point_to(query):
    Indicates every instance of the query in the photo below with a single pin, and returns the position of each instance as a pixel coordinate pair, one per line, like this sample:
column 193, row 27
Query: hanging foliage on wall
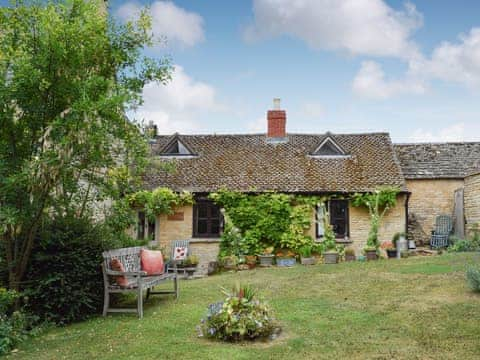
column 257, row 221
column 378, row 203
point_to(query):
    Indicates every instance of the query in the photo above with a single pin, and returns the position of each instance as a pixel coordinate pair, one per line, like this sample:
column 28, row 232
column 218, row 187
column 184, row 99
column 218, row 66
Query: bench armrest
column 126, row 273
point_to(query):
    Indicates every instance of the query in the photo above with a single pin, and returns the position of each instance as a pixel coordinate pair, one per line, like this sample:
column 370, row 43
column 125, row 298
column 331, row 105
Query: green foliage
column 68, row 76
column 65, row 277
column 378, row 203
column 159, row 201
column 473, row 278
column 13, row 324
column 240, row 317
column 471, row 243
column 329, row 240
column 265, row 220
column 397, row 237
column 305, row 251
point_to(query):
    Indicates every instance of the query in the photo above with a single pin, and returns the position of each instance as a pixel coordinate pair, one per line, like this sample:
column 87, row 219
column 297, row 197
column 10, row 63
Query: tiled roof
column 441, row 160
column 250, row 163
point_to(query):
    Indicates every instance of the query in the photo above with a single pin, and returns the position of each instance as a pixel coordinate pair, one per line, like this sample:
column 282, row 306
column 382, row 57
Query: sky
column 345, row 66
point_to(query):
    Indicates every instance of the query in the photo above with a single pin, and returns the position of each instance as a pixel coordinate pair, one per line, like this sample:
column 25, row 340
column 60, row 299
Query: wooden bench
column 138, row 281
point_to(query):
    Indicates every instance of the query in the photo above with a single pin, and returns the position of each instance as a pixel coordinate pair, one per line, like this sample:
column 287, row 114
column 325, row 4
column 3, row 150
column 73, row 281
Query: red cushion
column 116, row 265
column 152, row 262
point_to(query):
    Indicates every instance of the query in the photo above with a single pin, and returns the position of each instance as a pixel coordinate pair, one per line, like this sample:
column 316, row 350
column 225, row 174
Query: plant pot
column 371, row 254
column 350, row 257
column 230, row 263
column 330, row 258
column 391, row 253
column 308, row 260
column 212, row 267
column 251, row 261
column 243, row 267
column 266, row 260
column 286, row 261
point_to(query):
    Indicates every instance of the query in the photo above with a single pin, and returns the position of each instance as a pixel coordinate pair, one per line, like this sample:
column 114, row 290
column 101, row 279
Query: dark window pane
column 151, row 230
column 141, row 226
column 202, row 210
column 202, row 226
column 214, row 211
column 215, row 227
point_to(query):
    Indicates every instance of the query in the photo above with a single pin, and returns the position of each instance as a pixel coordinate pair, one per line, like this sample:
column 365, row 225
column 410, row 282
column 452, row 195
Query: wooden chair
column 137, row 280
column 442, row 231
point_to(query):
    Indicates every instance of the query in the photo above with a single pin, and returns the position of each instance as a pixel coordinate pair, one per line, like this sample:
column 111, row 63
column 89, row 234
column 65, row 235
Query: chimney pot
column 276, row 104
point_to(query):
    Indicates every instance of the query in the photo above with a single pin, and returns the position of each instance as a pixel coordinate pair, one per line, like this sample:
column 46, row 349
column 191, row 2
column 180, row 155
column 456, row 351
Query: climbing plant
column 258, row 221
column 378, row 203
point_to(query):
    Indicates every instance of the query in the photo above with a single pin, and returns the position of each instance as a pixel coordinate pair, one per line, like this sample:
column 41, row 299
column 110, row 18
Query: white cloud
column 458, row 62
column 179, row 26
column 451, row 62
column 360, row 27
column 455, row 132
column 174, row 107
column 370, row 82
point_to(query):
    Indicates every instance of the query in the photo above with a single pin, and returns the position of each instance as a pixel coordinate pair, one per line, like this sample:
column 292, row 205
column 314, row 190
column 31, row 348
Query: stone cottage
column 441, row 180
column 433, row 179
column 292, row 163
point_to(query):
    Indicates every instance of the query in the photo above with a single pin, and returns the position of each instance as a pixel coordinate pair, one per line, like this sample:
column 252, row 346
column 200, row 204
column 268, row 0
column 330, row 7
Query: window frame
column 208, row 218
column 346, row 219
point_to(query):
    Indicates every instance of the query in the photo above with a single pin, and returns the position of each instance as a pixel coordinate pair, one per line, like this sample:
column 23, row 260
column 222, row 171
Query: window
column 145, row 227
column 339, row 219
column 329, row 148
column 176, row 148
column 207, row 219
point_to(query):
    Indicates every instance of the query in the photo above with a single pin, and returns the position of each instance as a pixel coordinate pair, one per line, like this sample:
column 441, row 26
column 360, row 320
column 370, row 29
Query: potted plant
column 286, row 258
column 251, row 261
column 306, row 257
column 242, row 263
column 330, row 256
column 350, row 254
column 370, row 252
column 390, row 249
column 229, row 262
column 192, row 261
column 266, row 258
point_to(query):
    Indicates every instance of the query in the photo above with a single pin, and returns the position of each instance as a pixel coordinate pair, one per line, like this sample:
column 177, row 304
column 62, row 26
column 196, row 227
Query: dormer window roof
column 176, row 147
column 329, row 148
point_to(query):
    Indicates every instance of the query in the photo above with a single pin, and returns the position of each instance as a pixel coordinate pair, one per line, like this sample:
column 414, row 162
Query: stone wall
column 472, row 200
column 430, row 198
column 179, row 226
column 393, row 222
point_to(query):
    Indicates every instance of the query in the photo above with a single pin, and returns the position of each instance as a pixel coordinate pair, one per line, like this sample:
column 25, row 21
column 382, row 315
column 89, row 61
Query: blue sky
column 409, row 68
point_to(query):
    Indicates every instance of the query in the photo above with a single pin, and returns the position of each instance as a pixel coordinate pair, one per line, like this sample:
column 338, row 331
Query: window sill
column 338, row 241
column 205, row 240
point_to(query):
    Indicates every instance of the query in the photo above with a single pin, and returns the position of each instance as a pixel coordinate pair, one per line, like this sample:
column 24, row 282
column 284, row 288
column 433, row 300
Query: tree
column 378, row 203
column 69, row 74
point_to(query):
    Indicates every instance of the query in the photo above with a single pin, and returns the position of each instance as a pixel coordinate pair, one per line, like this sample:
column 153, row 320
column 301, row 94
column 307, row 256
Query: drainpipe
column 406, row 213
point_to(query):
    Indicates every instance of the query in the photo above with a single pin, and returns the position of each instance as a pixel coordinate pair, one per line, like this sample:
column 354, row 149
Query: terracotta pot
column 371, row 254
column 330, row 258
column 251, row 261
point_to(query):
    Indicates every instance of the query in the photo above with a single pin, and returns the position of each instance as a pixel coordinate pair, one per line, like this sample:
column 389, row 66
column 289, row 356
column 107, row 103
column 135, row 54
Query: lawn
column 416, row 308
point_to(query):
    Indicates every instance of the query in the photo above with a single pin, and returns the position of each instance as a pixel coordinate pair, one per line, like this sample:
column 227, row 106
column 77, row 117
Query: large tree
column 69, row 74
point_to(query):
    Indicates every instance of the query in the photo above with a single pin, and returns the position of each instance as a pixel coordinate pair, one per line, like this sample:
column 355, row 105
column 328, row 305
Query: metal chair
column 442, row 231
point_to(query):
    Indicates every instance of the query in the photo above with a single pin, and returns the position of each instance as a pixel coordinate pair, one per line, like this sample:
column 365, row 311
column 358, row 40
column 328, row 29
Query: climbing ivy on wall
column 257, row 221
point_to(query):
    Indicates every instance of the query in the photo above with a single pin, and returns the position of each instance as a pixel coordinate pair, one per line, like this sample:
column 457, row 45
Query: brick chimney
column 277, row 121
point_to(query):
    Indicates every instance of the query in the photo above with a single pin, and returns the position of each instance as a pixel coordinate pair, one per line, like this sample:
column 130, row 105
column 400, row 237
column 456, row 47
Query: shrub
column 13, row 325
column 65, row 278
column 473, row 278
column 240, row 317
column 462, row 245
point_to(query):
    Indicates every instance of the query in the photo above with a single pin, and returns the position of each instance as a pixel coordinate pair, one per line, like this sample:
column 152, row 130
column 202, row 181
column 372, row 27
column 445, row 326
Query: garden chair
column 441, row 233
column 133, row 279
column 179, row 252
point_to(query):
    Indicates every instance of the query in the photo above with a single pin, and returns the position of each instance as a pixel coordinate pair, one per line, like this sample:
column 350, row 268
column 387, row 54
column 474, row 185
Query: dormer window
column 176, row 148
column 329, row 148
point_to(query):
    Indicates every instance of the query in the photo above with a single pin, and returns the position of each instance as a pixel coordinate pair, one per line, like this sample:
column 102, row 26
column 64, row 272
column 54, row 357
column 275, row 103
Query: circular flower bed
column 240, row 317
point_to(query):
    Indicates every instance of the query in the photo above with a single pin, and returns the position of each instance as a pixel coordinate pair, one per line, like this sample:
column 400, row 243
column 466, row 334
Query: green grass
column 416, row 308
